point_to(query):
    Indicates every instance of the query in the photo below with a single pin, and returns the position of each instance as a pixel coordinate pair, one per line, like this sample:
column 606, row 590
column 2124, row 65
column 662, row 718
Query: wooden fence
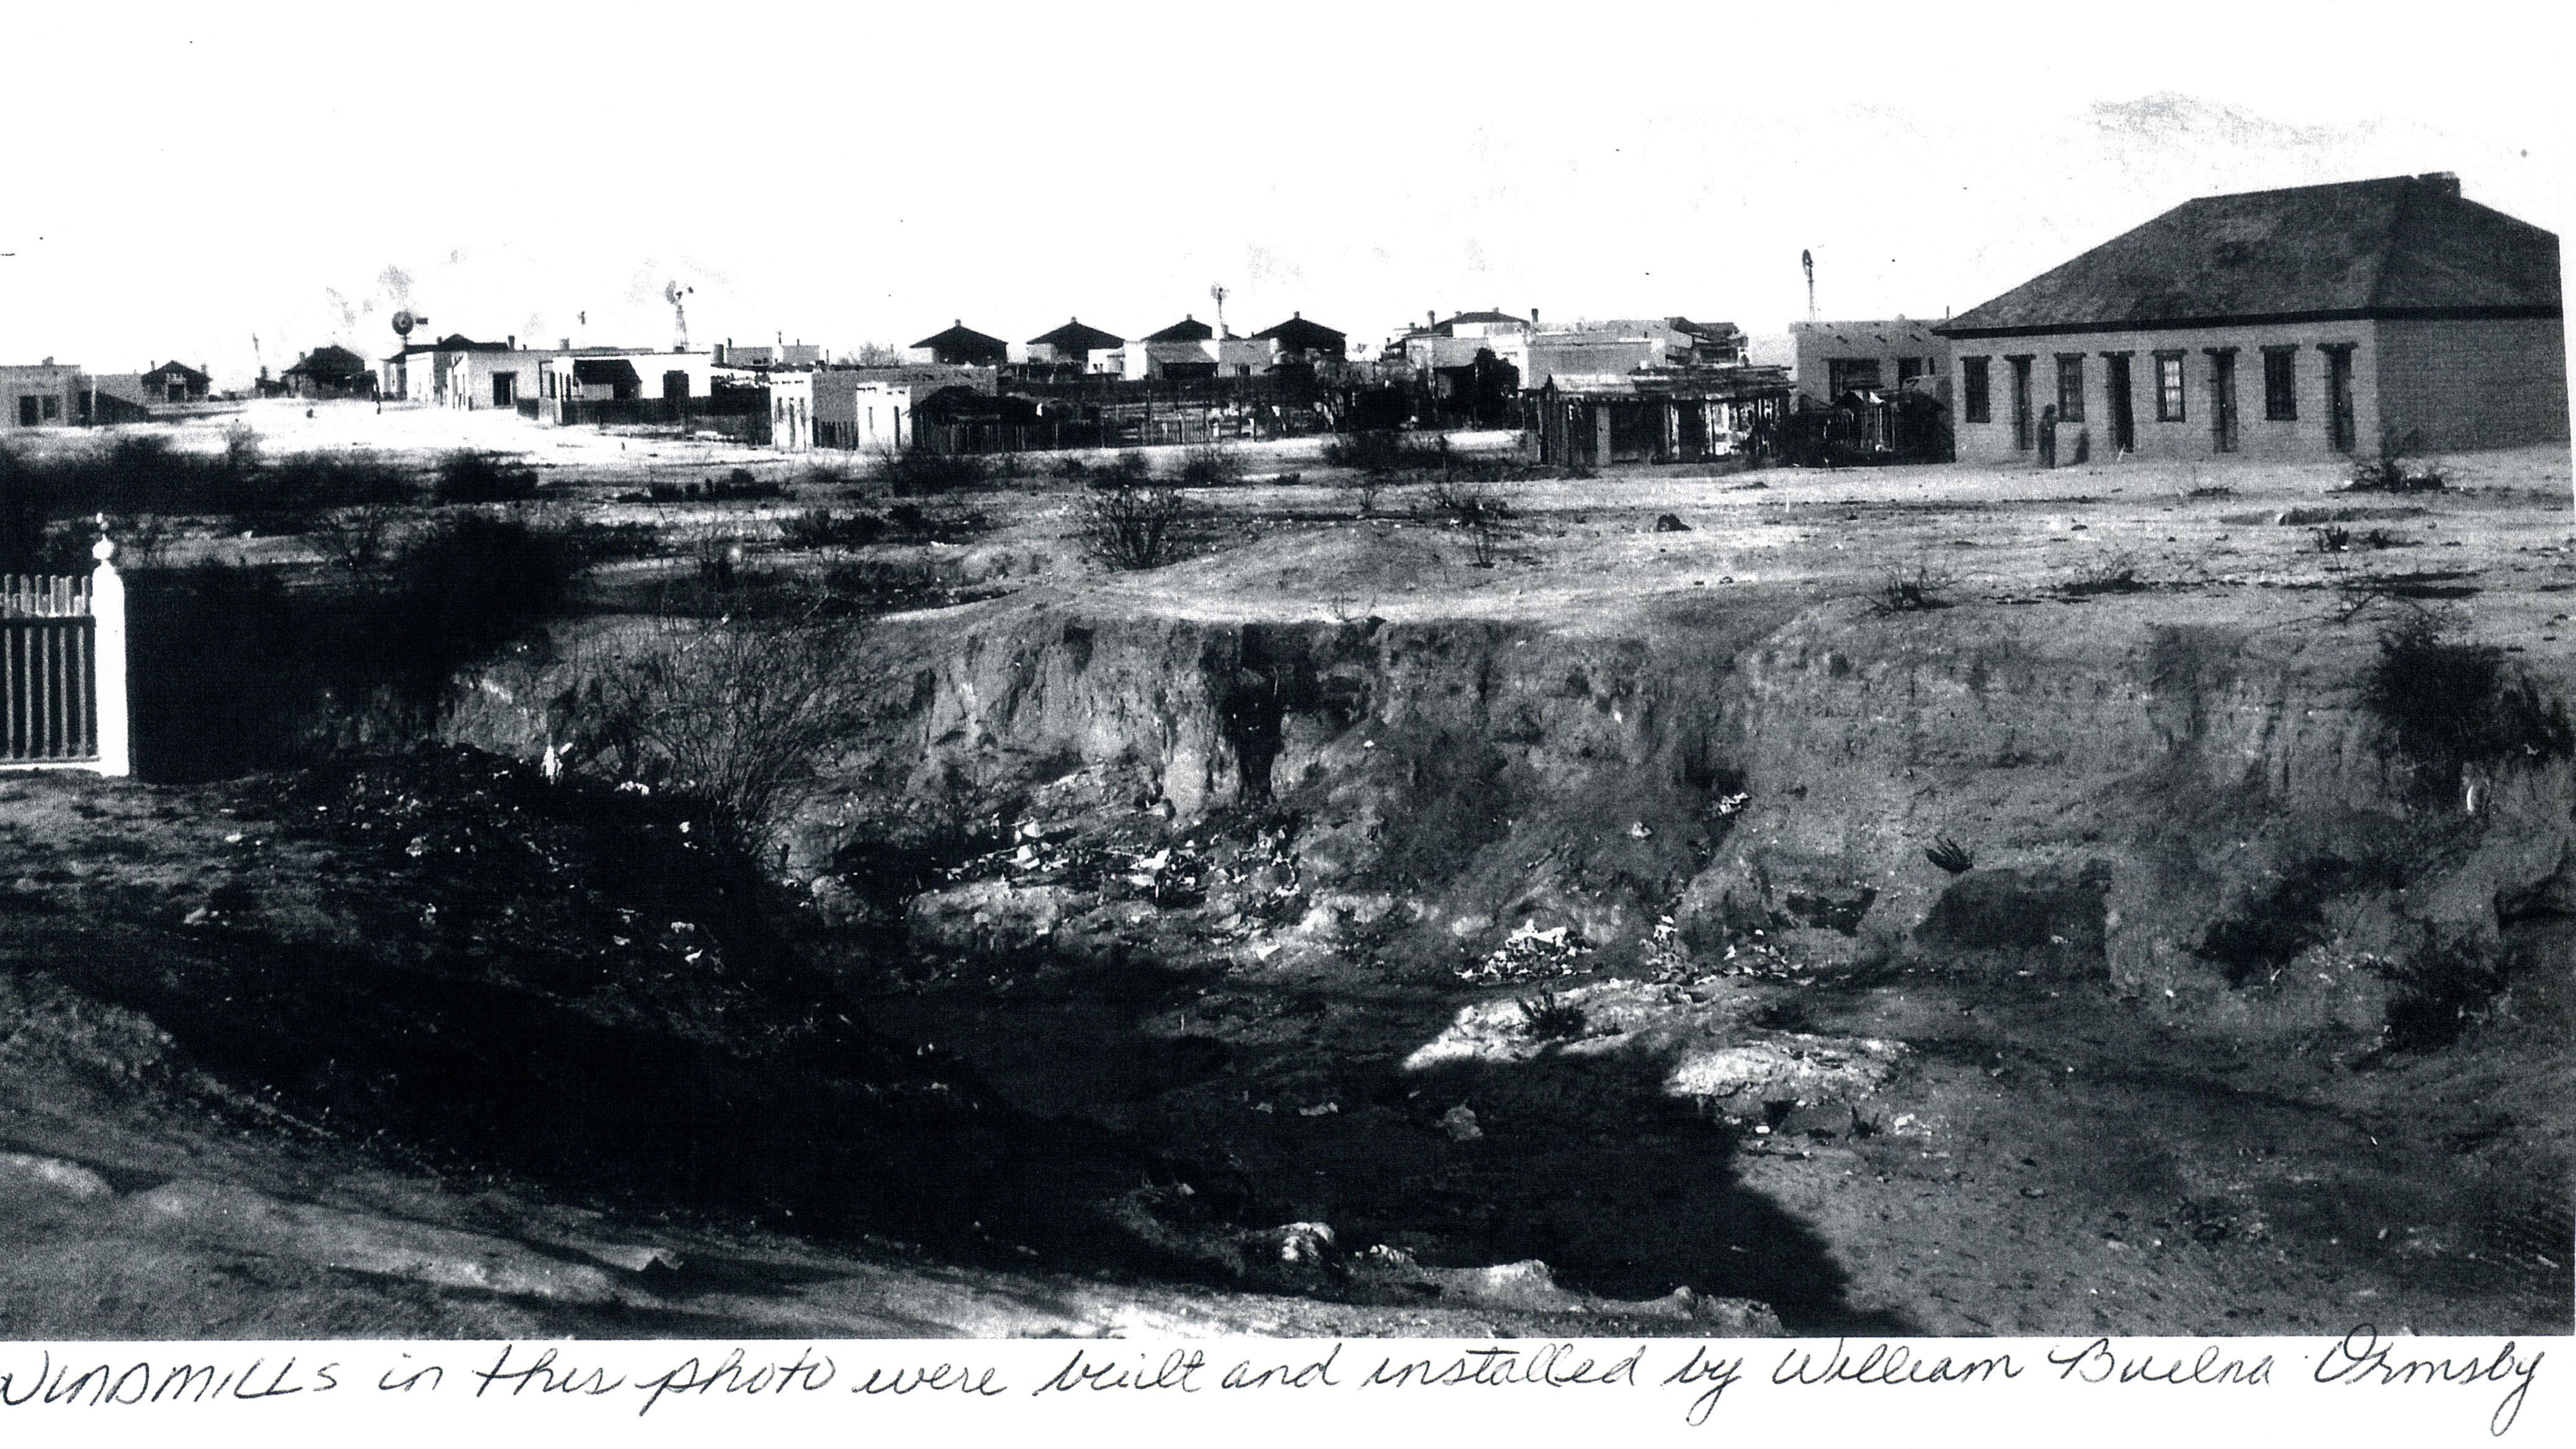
column 62, row 671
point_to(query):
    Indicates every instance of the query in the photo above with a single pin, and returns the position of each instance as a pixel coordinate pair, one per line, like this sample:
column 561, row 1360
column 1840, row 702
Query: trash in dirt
column 1263, row 1107
column 1670, row 523
column 1527, row 953
column 1304, row 1242
column 2034, row 1192
column 1320, row 1109
column 1460, row 1123
column 1641, row 831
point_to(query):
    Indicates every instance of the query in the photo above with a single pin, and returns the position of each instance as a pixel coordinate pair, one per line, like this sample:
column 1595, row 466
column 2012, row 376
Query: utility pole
column 1807, row 259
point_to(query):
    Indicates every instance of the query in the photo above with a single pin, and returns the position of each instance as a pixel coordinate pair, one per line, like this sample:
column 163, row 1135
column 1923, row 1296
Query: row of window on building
column 2280, row 389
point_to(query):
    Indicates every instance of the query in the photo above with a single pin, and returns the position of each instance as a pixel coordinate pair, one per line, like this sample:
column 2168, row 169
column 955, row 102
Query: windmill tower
column 672, row 292
column 1220, row 291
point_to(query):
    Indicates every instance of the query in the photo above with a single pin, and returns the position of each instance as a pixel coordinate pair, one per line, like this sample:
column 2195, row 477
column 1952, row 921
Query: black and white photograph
column 1886, row 684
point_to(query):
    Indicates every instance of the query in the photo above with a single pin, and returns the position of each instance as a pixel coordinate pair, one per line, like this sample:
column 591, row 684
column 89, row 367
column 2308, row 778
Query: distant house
column 1455, row 341
column 1671, row 417
column 42, row 395
column 175, row 382
column 458, row 372
column 1298, row 342
column 2301, row 323
column 588, row 375
column 869, row 409
column 765, row 355
column 960, row 345
column 1836, row 359
column 1191, row 348
column 1625, row 345
column 1071, row 345
column 330, row 371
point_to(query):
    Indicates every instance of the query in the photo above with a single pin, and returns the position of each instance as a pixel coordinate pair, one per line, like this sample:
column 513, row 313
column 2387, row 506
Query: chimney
column 2446, row 182
column 514, row 342
column 1431, row 319
column 564, row 344
column 1533, row 319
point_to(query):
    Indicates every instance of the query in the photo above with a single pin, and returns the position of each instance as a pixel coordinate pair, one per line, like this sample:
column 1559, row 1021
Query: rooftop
column 2398, row 246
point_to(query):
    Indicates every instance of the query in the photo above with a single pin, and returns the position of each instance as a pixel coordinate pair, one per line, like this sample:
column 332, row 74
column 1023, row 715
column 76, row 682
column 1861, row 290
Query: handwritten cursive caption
column 1695, row 1377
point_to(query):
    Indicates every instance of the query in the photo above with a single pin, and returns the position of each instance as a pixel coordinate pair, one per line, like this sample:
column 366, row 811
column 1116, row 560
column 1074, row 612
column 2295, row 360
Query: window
column 2280, row 384
column 2169, row 387
column 1977, row 405
column 53, row 407
column 2070, row 387
column 1851, row 374
column 1908, row 369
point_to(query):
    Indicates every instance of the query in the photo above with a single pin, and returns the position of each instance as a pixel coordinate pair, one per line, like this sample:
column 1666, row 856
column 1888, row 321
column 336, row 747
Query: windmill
column 1808, row 261
column 672, row 292
column 1220, row 291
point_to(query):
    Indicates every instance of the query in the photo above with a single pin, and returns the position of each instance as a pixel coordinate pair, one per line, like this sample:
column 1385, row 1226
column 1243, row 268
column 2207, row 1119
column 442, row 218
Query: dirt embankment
column 2137, row 788
column 1754, row 945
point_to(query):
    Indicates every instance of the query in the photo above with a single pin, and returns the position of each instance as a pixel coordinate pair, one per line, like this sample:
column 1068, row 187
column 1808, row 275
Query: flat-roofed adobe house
column 2302, row 323
column 1836, row 359
column 41, row 395
column 959, row 346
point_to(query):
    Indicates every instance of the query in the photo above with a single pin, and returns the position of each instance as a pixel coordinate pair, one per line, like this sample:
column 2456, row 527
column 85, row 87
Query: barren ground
column 2085, row 1130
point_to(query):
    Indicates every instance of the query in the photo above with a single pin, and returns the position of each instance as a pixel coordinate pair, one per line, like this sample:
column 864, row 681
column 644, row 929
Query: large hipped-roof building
column 2299, row 323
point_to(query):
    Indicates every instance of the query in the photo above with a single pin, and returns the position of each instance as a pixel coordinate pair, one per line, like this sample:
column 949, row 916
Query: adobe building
column 2303, row 323
column 41, row 395
column 1836, row 359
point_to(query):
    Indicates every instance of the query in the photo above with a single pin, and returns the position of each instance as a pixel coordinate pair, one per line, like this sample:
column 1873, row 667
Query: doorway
column 2222, row 399
column 2124, row 416
column 2339, row 397
column 505, row 389
column 2021, row 402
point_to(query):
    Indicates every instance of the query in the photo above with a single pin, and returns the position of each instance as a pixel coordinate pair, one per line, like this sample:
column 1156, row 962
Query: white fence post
column 107, row 607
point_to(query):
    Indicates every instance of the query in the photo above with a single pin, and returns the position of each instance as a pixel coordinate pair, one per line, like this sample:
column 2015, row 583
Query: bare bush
column 733, row 713
column 470, row 475
column 1136, row 525
column 2396, row 469
column 1209, row 465
column 1914, row 589
column 1544, row 1017
column 2114, row 574
column 918, row 472
column 355, row 537
column 1363, row 489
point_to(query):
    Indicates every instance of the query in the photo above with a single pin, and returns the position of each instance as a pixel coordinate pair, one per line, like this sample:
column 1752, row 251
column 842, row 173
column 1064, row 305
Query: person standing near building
column 2048, row 436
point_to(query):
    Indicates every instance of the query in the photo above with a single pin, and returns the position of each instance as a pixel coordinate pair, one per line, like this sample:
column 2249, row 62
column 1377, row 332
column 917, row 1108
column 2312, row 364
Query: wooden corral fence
column 62, row 671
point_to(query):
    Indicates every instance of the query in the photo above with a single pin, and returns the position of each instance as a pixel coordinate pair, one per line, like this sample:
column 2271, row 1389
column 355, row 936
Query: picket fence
column 62, row 671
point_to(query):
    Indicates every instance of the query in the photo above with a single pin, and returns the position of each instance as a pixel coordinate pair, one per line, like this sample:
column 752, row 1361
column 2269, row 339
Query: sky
column 849, row 174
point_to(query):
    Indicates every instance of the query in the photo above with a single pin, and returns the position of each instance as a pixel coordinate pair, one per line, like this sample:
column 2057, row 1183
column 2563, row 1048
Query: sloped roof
column 329, row 361
column 1188, row 329
column 2398, row 246
column 1073, row 336
column 1485, row 317
column 1299, row 334
column 177, row 369
column 459, row 342
column 962, row 338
